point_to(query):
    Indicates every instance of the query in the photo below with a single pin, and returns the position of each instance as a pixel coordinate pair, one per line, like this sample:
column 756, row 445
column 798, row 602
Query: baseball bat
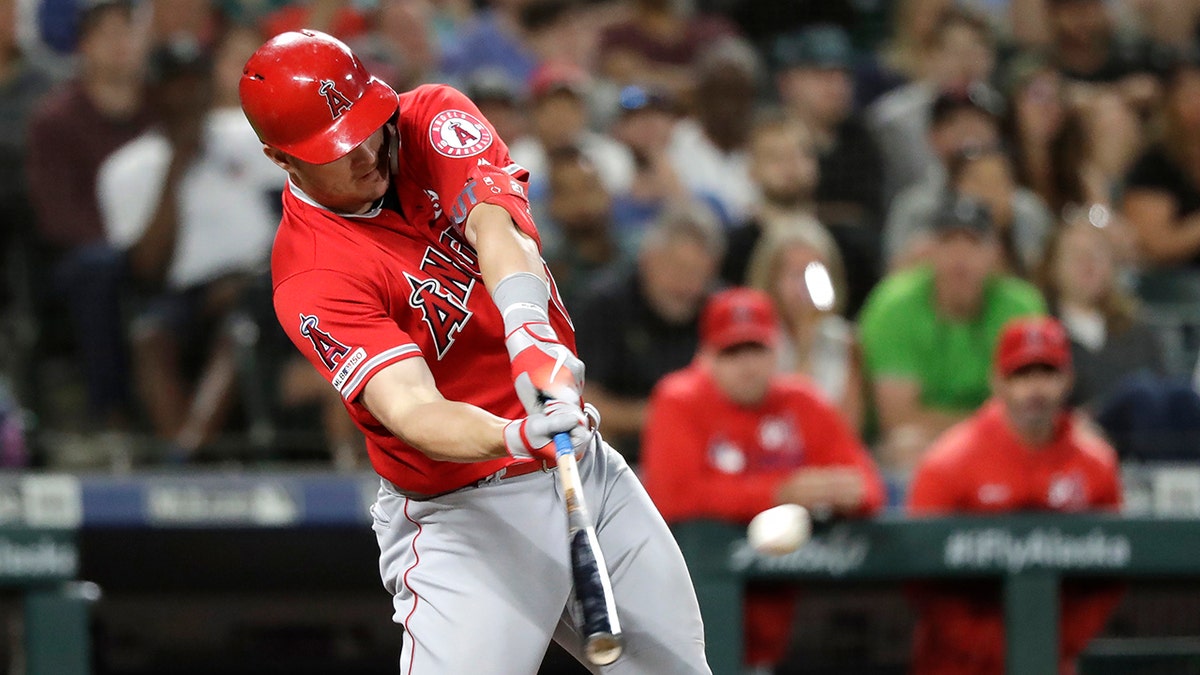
column 602, row 642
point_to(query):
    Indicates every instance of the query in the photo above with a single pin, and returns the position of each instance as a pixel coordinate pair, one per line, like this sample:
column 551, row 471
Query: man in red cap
column 728, row 437
column 407, row 269
column 1025, row 450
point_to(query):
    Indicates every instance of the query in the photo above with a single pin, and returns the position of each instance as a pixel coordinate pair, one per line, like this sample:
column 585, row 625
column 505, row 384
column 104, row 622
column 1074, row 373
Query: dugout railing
column 1028, row 553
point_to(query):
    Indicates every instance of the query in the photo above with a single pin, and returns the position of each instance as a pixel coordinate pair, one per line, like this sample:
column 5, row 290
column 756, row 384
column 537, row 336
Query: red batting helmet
column 308, row 95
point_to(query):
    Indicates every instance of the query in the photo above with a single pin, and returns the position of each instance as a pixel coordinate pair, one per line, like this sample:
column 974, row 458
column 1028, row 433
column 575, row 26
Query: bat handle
column 562, row 444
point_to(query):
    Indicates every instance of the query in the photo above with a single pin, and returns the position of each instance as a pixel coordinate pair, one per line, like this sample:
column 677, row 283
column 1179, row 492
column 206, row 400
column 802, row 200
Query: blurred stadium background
column 162, row 442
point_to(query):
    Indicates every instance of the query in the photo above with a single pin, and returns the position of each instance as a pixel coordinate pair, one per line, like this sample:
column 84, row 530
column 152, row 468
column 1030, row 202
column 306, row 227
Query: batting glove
column 533, row 437
column 542, row 367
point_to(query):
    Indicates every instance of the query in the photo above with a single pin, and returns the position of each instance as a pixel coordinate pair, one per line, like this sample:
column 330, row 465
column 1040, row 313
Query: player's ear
column 281, row 158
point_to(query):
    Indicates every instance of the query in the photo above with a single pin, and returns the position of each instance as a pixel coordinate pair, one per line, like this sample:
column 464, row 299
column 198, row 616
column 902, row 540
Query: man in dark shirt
column 816, row 85
column 1085, row 45
column 581, row 210
column 632, row 328
column 70, row 135
column 1161, row 199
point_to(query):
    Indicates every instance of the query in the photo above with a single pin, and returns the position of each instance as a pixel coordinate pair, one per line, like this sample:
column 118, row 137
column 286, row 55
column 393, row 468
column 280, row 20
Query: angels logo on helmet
column 336, row 100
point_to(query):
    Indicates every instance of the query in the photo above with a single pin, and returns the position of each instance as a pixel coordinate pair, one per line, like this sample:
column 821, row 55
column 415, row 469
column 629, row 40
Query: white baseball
column 780, row 530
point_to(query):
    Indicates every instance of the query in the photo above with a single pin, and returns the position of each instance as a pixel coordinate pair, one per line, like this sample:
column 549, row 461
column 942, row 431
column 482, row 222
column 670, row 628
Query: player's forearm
column 450, row 431
column 502, row 248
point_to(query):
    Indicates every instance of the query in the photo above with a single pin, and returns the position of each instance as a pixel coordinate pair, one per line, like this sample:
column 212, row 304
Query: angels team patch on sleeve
column 327, row 347
column 454, row 133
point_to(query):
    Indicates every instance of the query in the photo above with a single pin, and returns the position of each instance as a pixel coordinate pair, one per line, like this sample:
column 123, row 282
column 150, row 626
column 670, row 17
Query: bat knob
column 603, row 648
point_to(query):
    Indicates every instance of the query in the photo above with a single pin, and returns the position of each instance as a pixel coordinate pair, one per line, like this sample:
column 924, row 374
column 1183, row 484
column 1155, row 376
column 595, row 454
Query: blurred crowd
column 900, row 178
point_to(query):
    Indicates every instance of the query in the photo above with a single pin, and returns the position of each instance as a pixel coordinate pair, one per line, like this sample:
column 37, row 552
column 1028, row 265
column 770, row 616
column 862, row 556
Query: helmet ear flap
column 306, row 94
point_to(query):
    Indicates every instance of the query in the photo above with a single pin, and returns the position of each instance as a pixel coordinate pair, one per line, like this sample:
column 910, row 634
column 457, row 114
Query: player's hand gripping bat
column 602, row 642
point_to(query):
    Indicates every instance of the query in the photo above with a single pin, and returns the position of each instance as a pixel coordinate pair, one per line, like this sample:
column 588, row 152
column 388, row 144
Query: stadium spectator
column 1025, row 450
column 708, row 150
column 501, row 101
column 561, row 31
column 187, row 203
column 73, row 130
column 231, row 49
column 1162, row 191
column 1022, row 221
column 928, row 333
column 580, row 212
column 783, row 166
column 493, row 38
column 785, row 171
column 803, row 273
column 658, row 45
column 22, row 85
column 635, row 326
column 913, row 25
column 559, row 119
column 1085, row 47
column 401, row 47
column 1110, row 340
column 645, row 125
column 1099, row 141
column 962, row 54
column 1036, row 114
column 959, row 120
column 336, row 17
column 816, row 84
column 1145, row 405
column 518, row 36
column 182, row 19
column 730, row 436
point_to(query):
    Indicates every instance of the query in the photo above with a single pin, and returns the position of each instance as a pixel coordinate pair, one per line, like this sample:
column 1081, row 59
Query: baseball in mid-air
column 780, row 530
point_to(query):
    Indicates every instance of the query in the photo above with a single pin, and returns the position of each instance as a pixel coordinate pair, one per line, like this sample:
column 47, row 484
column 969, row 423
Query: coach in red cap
column 728, row 437
column 1025, row 450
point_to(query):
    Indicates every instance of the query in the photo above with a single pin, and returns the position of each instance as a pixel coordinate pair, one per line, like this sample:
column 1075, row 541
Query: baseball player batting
column 407, row 269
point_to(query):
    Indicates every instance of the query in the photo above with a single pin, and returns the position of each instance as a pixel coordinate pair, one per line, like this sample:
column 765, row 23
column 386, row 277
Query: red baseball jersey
column 704, row 456
column 981, row 466
column 357, row 293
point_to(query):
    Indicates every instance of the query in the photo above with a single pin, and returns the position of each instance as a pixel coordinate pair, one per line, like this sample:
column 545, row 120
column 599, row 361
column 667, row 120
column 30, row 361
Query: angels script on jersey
column 442, row 294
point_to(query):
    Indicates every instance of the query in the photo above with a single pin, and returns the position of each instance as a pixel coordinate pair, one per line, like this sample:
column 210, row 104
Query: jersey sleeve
column 841, row 447
column 467, row 162
column 933, row 489
column 340, row 325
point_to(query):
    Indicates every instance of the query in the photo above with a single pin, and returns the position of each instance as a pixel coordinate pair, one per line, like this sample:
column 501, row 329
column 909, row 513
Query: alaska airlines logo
column 442, row 296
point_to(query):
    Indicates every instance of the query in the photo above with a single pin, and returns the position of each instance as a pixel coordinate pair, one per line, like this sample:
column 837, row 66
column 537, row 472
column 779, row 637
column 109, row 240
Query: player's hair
column 767, row 255
column 694, row 223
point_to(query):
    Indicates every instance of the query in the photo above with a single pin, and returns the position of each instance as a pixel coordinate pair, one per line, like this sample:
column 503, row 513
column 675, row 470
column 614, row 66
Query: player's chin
column 373, row 186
